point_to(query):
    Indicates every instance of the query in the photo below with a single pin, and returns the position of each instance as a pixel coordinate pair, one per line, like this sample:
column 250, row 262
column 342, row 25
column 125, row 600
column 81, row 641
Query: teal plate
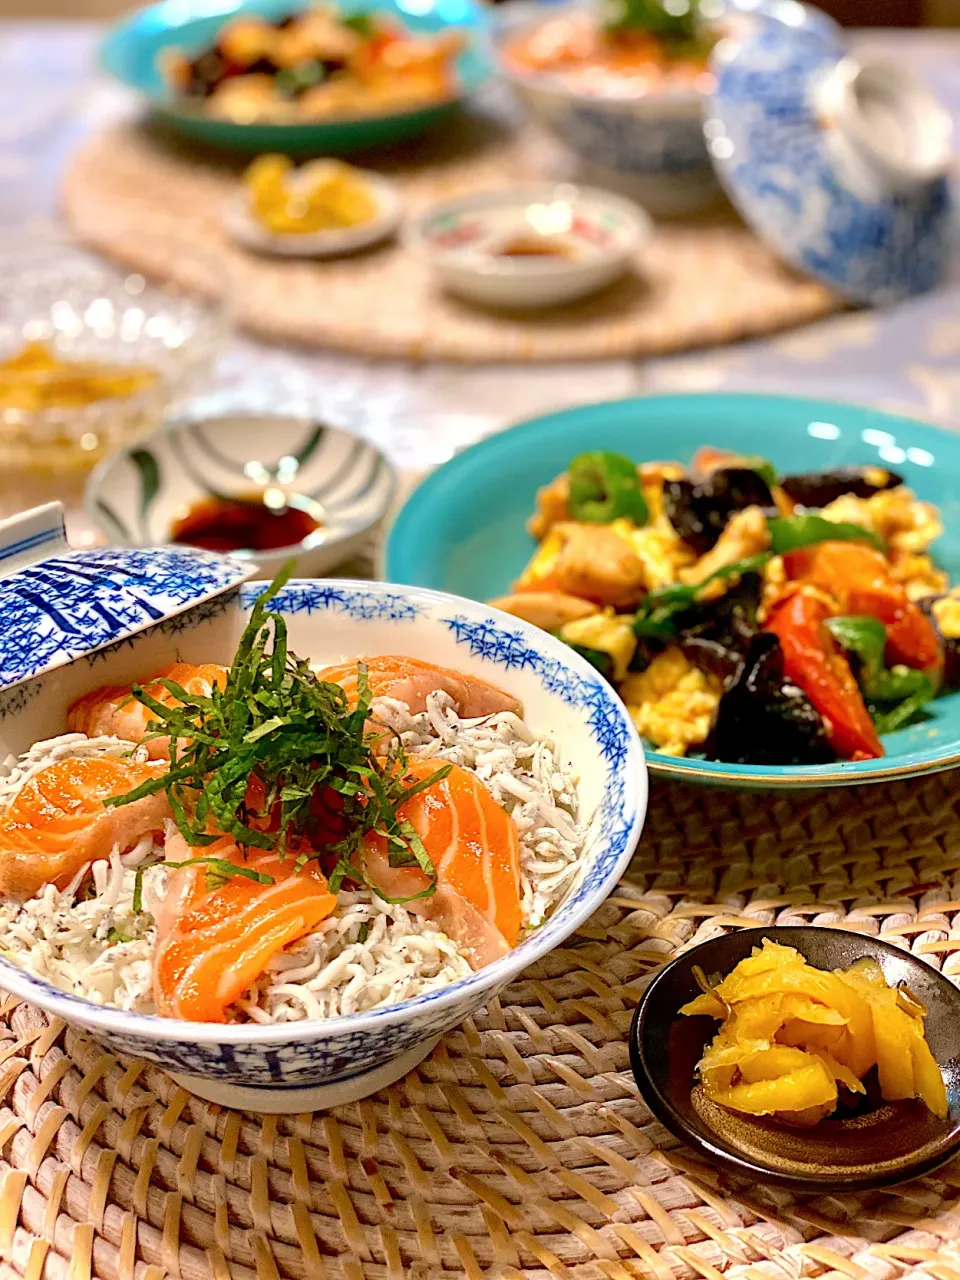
column 132, row 49
column 463, row 530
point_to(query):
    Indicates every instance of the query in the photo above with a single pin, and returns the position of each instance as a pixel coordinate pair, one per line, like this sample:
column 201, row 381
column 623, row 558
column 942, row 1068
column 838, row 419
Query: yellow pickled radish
column 791, row 1034
column 809, row 1086
column 774, row 1063
column 927, row 1078
column 704, row 1005
column 892, row 1033
column 811, row 1035
column 843, row 1075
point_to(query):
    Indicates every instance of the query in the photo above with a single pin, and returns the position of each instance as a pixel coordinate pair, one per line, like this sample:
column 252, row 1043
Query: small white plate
column 242, row 226
column 463, row 240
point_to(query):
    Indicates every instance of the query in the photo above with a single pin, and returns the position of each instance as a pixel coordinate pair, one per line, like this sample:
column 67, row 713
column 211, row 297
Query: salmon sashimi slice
column 475, row 849
column 409, row 680
column 213, row 945
column 57, row 821
column 113, row 710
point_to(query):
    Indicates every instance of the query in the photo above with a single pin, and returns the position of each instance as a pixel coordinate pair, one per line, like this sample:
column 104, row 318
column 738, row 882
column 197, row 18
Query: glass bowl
column 87, row 309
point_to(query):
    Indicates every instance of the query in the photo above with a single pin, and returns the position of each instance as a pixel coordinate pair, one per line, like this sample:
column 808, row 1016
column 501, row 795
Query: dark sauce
column 242, row 524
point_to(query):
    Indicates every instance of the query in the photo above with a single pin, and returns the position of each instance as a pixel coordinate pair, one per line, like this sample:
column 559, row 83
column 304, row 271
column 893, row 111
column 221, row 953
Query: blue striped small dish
column 135, row 496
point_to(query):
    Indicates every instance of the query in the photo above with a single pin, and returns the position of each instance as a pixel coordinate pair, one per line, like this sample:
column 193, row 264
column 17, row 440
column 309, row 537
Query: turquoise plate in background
column 131, row 53
column 463, row 530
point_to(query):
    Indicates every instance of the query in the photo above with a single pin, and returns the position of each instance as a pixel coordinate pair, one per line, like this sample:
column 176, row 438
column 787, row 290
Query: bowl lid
column 57, row 605
column 839, row 165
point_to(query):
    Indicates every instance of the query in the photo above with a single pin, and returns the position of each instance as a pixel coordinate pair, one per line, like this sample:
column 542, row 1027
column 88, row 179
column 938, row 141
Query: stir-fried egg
column 672, row 703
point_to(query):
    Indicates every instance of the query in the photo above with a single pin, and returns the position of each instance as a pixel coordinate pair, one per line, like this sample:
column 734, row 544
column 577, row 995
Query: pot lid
column 57, row 605
column 839, row 165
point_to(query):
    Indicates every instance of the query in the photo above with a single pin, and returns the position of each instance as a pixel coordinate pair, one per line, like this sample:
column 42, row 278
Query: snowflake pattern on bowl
column 782, row 167
column 72, row 604
column 303, row 1054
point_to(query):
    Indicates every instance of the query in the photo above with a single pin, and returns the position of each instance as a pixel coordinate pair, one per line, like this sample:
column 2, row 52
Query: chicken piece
column 247, row 40
column 672, row 703
column 317, row 35
column 247, row 98
column 904, row 522
column 589, row 560
column 746, row 534
column 552, row 507
column 548, row 610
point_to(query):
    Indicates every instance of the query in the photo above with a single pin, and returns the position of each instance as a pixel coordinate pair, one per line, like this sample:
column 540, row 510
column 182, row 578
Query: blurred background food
column 854, row 13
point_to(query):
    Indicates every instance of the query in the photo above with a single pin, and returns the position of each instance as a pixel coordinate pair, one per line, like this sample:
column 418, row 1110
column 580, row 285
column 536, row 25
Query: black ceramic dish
column 886, row 1145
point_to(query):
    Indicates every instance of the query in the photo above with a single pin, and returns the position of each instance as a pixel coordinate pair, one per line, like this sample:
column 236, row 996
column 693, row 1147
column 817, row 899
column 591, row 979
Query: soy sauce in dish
column 242, row 523
column 533, row 248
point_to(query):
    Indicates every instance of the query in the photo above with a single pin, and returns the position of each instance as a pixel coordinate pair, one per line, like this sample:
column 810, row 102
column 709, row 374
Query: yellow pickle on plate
column 795, row 1042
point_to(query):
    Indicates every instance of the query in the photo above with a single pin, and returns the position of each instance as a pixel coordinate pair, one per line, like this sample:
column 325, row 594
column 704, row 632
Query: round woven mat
column 138, row 195
column 520, row 1147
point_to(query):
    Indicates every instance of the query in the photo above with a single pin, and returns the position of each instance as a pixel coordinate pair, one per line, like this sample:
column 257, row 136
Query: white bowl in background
column 461, row 240
column 135, row 497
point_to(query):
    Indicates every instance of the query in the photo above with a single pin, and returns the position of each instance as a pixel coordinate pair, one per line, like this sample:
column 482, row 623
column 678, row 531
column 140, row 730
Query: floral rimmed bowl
column 464, row 529
column 530, row 247
column 137, row 496
column 58, row 642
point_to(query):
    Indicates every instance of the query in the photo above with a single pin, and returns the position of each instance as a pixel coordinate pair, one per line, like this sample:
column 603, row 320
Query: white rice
column 368, row 953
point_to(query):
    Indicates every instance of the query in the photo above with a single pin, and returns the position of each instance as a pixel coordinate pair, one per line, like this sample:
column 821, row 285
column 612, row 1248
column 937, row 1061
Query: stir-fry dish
column 37, row 377
column 626, row 49
column 796, row 1042
column 324, row 195
column 745, row 616
column 266, row 842
column 315, row 65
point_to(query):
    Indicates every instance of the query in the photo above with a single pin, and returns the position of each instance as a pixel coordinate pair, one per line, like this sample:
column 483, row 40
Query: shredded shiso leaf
column 276, row 721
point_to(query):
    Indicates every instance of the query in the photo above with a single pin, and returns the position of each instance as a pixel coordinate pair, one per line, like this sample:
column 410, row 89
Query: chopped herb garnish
column 276, row 724
column 115, row 935
column 220, row 870
column 364, row 931
column 137, row 906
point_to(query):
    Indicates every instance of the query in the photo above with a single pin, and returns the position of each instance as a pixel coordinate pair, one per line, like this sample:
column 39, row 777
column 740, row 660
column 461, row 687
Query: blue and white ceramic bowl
column 650, row 147
column 841, row 166
column 301, row 1066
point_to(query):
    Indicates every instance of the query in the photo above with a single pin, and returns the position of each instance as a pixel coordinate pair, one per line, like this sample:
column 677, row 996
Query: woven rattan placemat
column 140, row 197
column 520, row 1147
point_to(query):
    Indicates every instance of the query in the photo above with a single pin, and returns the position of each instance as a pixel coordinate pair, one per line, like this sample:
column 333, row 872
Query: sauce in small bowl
column 266, row 521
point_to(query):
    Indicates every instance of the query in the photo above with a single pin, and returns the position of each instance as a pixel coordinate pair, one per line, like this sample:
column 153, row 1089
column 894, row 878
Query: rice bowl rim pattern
column 487, row 633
